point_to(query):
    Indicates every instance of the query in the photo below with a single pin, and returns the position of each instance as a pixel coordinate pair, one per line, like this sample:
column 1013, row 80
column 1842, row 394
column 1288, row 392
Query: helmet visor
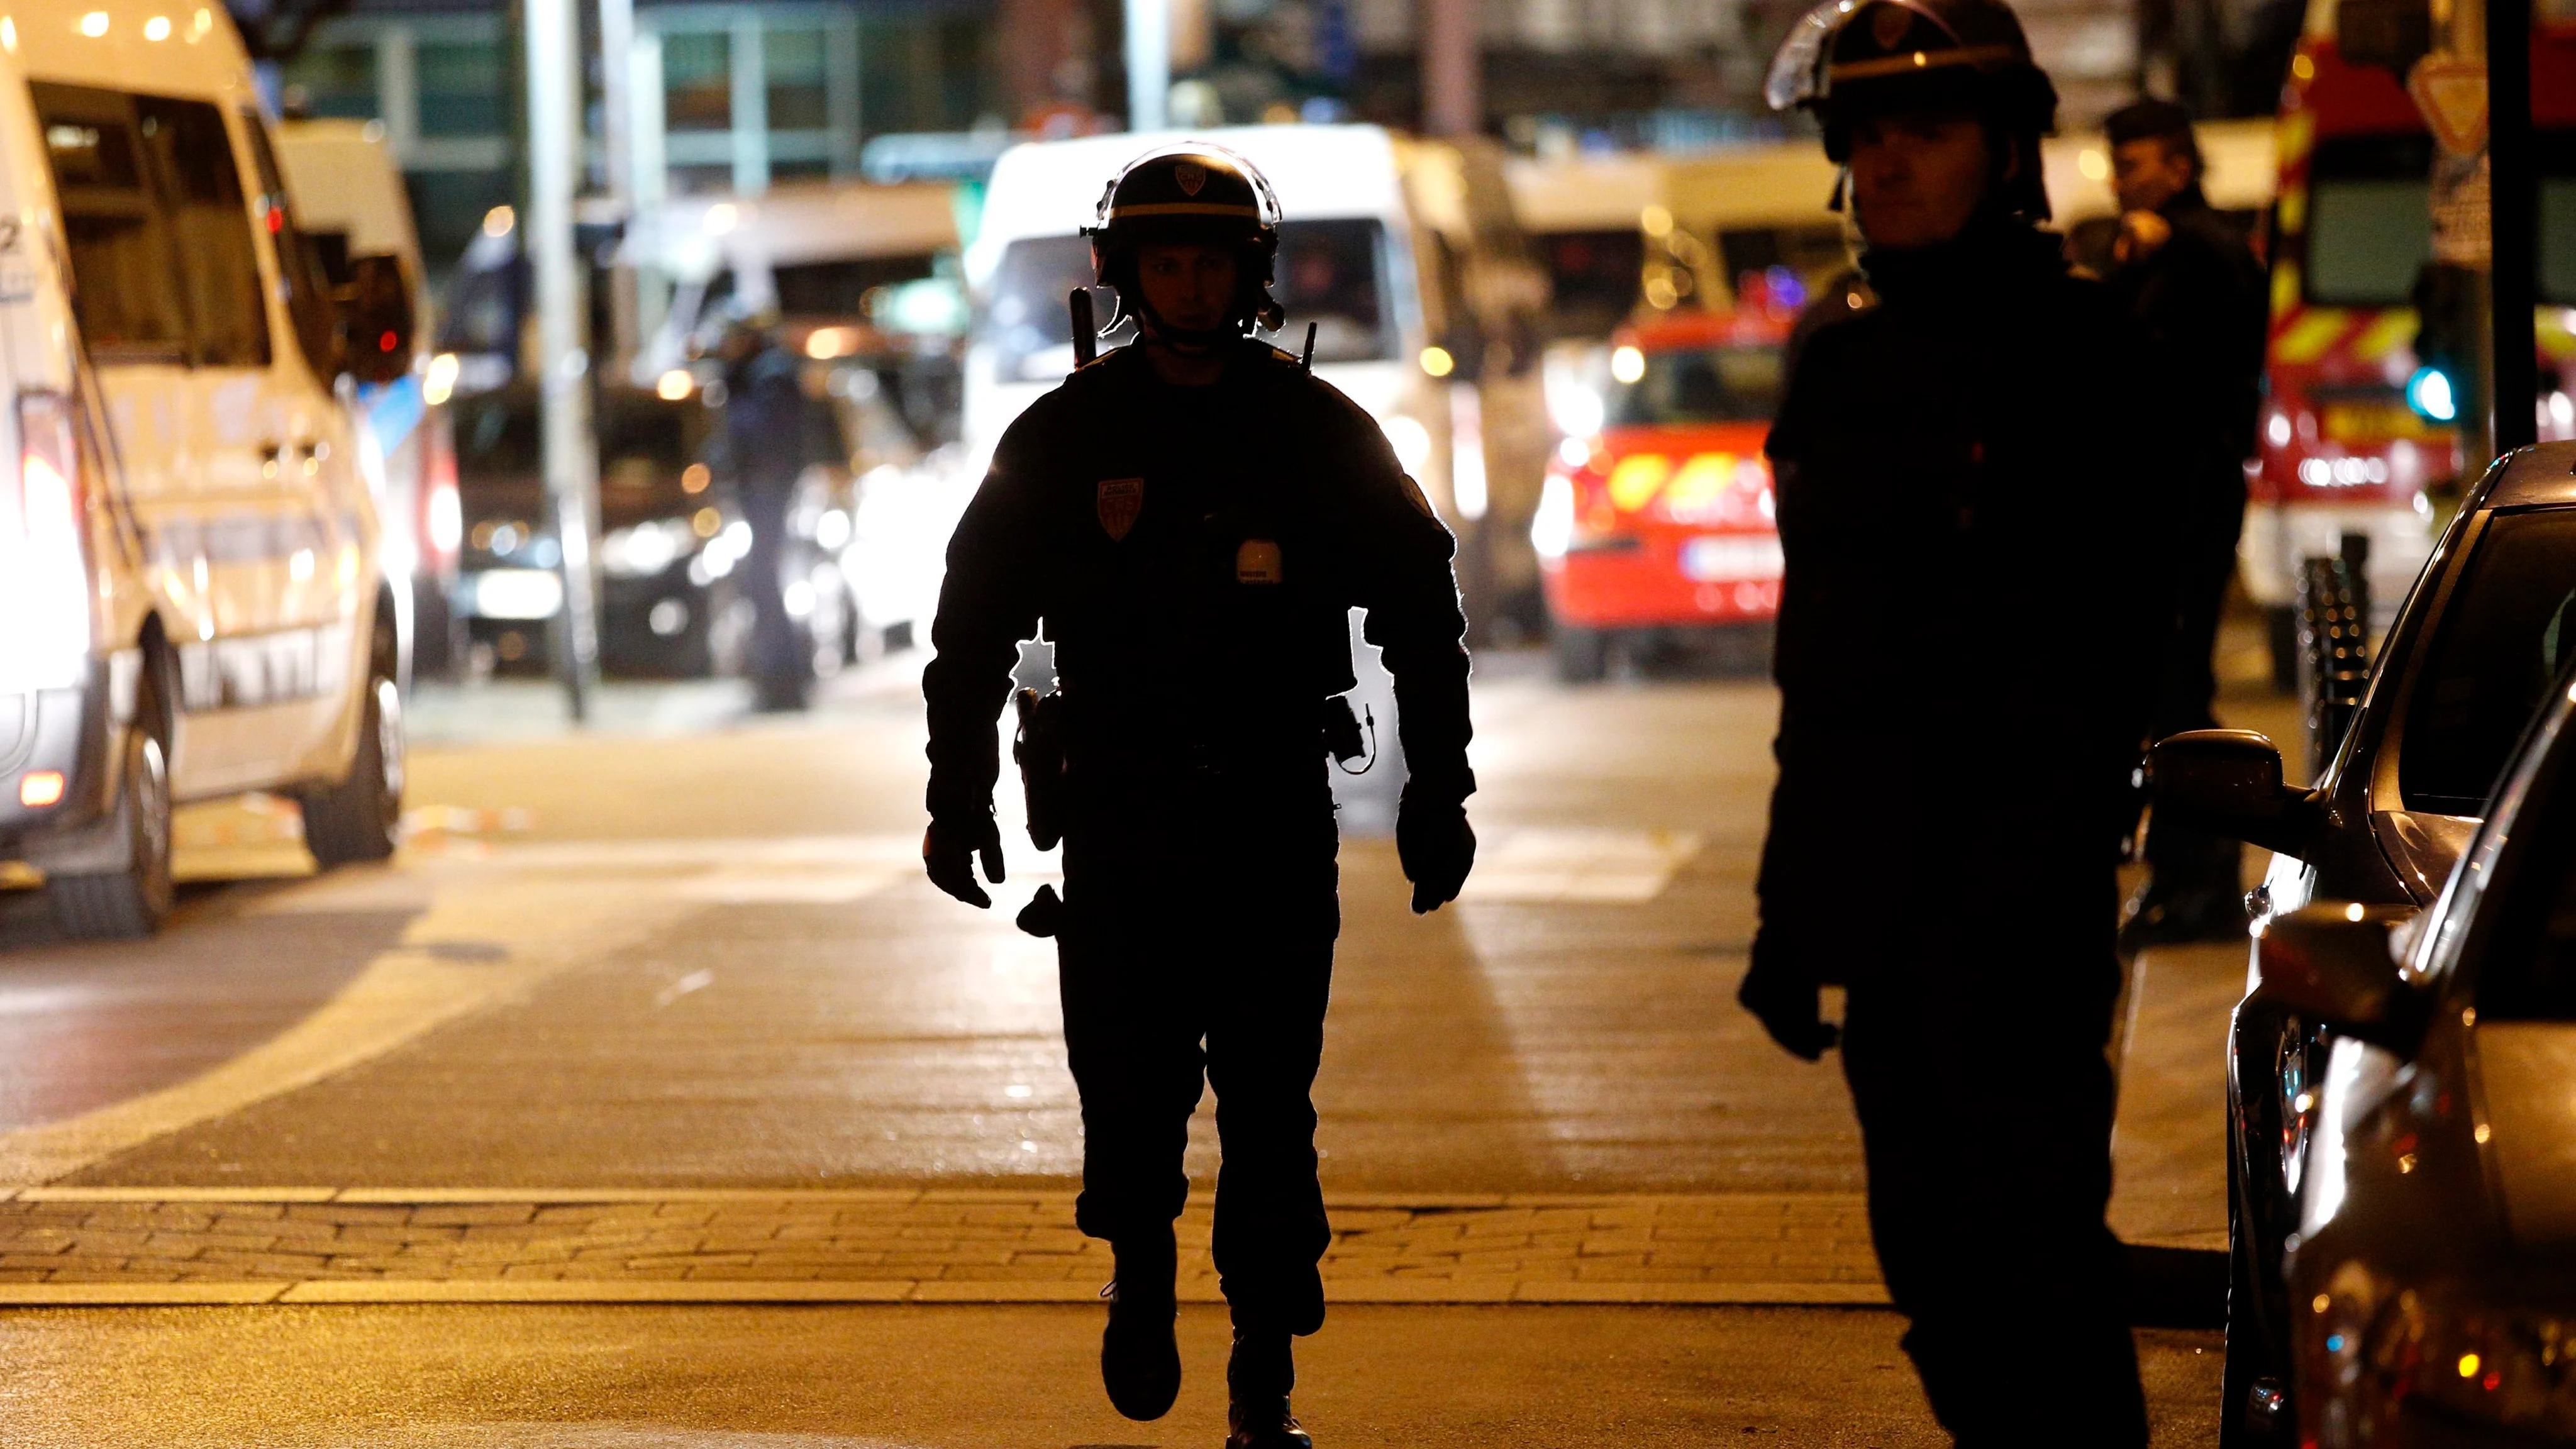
column 1798, row 71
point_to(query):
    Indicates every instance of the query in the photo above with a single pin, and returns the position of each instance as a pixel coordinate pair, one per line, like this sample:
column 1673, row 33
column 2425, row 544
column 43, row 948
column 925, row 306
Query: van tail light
column 43, row 528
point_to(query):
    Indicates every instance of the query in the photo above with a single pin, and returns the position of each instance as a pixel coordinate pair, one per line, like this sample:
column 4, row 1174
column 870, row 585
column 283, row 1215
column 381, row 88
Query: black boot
column 1257, row 1380
column 1140, row 1365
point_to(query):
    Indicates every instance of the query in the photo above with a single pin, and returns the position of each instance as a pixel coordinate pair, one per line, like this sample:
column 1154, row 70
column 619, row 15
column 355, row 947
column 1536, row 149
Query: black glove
column 948, row 851
column 1783, row 995
column 1437, row 847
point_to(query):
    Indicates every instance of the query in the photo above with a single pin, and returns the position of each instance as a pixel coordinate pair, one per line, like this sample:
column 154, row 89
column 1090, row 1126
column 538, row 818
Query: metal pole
column 1453, row 102
column 571, row 467
column 1149, row 64
column 2513, row 217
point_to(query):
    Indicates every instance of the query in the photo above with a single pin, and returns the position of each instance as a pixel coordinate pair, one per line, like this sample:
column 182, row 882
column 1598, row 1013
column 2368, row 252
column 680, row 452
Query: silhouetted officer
column 1971, row 615
column 2186, row 275
column 1191, row 520
column 767, row 420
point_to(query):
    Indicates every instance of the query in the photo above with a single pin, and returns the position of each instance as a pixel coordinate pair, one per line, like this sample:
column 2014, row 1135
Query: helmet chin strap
column 1192, row 340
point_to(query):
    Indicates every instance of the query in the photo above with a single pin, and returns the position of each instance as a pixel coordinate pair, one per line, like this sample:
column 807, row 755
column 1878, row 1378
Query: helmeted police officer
column 1191, row 519
column 1970, row 633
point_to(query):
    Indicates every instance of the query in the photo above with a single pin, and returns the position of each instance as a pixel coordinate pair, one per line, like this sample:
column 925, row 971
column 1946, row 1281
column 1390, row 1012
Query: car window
column 2526, row 962
column 1681, row 386
column 303, row 260
column 210, row 224
column 2509, row 626
column 125, row 288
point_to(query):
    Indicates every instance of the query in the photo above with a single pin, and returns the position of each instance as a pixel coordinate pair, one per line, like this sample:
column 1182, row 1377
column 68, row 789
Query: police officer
column 2188, row 278
column 1972, row 614
column 1190, row 519
column 767, row 420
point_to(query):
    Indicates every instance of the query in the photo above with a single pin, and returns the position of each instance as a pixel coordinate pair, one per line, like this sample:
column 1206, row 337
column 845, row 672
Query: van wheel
column 361, row 817
column 131, row 903
column 1582, row 655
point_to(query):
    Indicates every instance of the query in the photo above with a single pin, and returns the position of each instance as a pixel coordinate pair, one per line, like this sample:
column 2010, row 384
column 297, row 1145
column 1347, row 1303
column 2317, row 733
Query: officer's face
column 2149, row 172
column 1188, row 286
column 1917, row 176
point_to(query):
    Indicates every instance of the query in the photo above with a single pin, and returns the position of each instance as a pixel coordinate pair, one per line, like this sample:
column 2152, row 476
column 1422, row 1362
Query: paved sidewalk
column 318, row 1245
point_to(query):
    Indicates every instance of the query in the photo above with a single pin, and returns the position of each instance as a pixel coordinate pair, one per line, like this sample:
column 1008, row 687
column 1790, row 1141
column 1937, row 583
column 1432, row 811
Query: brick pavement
column 249, row 1245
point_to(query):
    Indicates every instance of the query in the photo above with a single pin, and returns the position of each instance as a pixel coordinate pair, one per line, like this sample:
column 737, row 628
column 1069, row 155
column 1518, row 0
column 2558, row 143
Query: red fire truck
column 1658, row 516
column 2354, row 432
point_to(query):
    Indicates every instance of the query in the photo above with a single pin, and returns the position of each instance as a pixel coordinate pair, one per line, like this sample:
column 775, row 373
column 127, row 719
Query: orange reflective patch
column 1701, row 485
column 2307, row 339
column 1639, row 476
column 2394, row 329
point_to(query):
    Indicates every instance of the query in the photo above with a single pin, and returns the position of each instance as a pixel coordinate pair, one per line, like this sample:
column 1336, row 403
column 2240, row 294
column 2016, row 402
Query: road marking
column 1552, row 865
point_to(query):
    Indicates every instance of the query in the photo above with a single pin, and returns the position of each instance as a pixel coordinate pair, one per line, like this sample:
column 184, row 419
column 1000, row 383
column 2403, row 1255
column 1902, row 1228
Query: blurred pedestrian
column 767, row 418
column 1191, row 519
column 1969, row 471
column 2187, row 276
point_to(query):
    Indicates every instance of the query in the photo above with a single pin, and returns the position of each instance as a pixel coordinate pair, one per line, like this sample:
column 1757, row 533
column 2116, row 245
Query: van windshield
column 1329, row 273
column 2370, row 229
column 1683, row 386
column 2509, row 628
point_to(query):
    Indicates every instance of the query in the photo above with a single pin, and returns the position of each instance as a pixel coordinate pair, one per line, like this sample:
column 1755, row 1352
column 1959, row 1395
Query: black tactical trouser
column 1198, row 943
column 1985, row 1103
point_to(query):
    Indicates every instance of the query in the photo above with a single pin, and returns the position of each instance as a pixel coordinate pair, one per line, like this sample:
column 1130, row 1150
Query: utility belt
column 1043, row 750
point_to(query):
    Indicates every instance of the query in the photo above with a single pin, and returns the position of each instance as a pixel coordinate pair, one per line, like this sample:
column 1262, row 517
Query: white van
column 189, row 572
column 1404, row 254
column 349, row 196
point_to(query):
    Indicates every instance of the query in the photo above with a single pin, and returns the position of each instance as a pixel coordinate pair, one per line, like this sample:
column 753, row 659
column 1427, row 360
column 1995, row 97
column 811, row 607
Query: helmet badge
column 1888, row 26
column 1190, row 176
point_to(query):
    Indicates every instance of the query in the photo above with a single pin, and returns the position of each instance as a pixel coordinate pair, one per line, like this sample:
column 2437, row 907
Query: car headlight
column 643, row 550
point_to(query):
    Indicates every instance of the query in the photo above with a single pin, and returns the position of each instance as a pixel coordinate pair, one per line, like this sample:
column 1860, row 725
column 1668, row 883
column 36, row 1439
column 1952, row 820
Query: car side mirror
column 2331, row 963
column 2228, row 783
column 377, row 320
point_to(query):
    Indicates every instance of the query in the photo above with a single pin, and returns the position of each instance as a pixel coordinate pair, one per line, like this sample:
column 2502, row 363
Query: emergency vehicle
column 1658, row 514
column 2344, row 448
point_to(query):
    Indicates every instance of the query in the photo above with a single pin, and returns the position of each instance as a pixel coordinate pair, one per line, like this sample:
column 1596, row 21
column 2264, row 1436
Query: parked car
column 2432, row 1288
column 191, row 566
column 2474, row 648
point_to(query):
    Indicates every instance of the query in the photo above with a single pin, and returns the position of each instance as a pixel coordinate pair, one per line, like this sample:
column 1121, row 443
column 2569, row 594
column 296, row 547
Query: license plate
column 1731, row 560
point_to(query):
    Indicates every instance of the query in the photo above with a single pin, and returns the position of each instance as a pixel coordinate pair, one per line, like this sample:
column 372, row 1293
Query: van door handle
column 272, row 459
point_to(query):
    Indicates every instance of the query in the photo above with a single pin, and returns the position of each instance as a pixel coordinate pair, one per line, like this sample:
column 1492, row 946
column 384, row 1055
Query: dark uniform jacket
column 1193, row 553
column 1973, row 481
column 2200, row 300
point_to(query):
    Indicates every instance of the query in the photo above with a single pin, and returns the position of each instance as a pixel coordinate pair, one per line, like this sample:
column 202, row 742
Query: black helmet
column 1850, row 58
column 1194, row 192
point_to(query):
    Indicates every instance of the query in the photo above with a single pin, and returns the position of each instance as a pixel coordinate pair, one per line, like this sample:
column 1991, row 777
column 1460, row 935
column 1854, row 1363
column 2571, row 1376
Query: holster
column 1039, row 750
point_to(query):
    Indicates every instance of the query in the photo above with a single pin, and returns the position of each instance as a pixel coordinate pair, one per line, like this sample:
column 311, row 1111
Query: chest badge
column 1119, row 501
column 1257, row 562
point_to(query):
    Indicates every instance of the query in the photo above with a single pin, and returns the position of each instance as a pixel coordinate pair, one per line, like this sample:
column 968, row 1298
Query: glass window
column 2370, row 223
column 2510, row 624
column 697, row 80
column 210, row 225
column 1594, row 277
column 840, row 288
column 304, row 260
column 799, row 99
column 335, row 80
column 1682, row 386
column 460, row 88
column 1328, row 274
column 124, row 273
column 2557, row 217
column 1029, row 325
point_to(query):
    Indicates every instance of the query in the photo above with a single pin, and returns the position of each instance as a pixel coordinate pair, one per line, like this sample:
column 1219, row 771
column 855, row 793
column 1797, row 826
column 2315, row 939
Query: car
column 2471, row 653
column 1657, row 512
column 2431, row 1288
column 191, row 565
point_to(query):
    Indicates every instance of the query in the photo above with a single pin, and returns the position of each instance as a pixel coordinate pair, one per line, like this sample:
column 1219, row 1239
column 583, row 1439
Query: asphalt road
column 688, row 953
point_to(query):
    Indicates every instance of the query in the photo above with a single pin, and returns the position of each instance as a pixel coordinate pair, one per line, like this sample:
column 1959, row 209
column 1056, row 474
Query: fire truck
column 2356, row 430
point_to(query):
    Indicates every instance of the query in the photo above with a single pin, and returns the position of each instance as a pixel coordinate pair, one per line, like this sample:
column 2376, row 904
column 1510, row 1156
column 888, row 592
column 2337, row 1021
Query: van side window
column 301, row 263
column 210, row 219
column 124, row 276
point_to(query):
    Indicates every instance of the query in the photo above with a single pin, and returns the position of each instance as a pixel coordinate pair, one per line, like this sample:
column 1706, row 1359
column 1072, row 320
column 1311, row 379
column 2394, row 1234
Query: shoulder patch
column 1413, row 495
column 1118, row 501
